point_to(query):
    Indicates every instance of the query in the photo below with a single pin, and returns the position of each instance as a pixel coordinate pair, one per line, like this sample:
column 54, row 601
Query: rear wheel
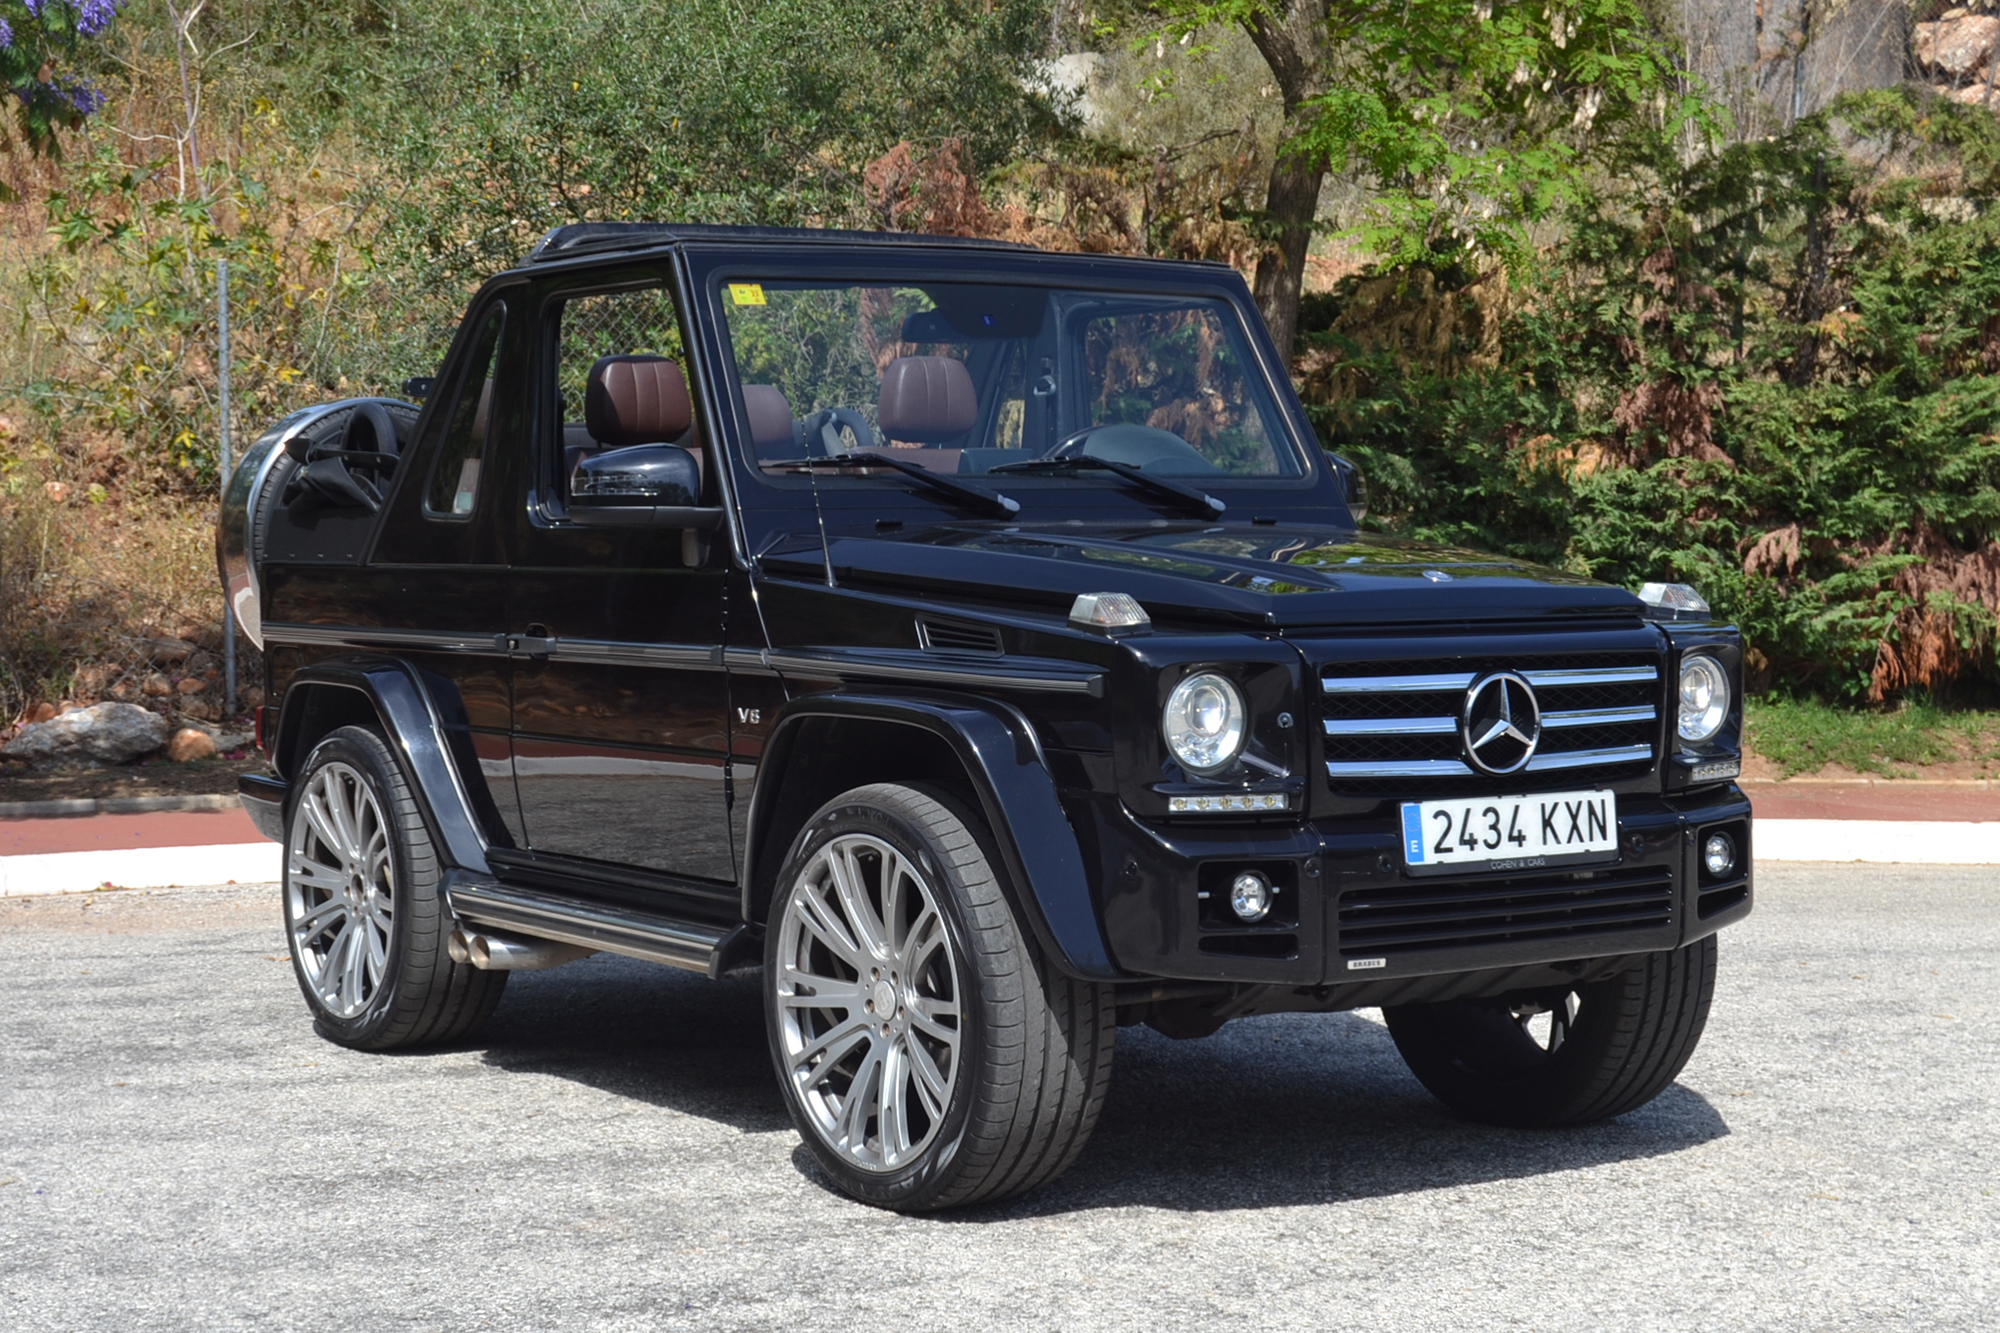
column 365, row 917
column 1563, row 1057
column 928, row 1054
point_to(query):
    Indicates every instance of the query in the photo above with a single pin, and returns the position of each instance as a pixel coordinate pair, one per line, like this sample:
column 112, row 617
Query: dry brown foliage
column 1405, row 314
column 108, row 599
column 1126, row 208
column 1929, row 645
column 1680, row 418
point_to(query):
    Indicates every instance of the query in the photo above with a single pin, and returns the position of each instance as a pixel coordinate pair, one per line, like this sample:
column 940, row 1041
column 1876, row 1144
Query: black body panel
column 617, row 731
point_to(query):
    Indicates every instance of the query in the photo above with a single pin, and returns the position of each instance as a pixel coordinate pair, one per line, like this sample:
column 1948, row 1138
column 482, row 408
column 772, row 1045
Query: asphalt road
column 178, row 1150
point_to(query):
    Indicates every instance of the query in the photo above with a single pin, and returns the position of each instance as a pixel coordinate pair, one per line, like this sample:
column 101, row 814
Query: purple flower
column 34, row 8
column 6, row 35
column 79, row 97
column 86, row 97
column 94, row 16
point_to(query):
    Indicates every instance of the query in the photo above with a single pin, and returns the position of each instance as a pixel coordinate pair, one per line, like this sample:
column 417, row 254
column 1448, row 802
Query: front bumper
column 1345, row 911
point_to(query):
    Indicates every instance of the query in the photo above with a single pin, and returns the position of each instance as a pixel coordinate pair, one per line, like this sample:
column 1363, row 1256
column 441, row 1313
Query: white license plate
column 1509, row 832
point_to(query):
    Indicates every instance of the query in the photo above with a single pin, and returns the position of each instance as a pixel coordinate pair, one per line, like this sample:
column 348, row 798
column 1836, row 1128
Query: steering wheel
column 1135, row 446
column 823, row 430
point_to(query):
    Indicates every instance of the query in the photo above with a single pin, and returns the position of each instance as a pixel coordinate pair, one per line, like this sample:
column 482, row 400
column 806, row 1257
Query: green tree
column 512, row 119
column 1470, row 120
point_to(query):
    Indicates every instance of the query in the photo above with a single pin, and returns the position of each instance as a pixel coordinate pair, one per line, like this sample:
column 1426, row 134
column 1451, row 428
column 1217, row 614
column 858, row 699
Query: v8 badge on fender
column 1510, row 832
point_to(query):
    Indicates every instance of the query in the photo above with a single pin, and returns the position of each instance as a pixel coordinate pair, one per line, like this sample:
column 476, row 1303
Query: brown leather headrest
column 636, row 400
column 770, row 415
column 926, row 399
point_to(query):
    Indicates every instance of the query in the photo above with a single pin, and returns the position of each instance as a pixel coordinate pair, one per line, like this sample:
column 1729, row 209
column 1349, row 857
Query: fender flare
column 1045, row 879
column 407, row 707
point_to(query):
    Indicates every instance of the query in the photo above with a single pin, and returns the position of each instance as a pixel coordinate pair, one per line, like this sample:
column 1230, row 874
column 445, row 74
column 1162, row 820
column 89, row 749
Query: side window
column 454, row 483
column 620, row 376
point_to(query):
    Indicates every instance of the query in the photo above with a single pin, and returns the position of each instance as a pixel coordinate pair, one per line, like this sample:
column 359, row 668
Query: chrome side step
column 698, row 946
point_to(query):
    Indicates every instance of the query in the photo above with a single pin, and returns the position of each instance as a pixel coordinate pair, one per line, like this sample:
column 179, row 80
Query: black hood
column 1268, row 576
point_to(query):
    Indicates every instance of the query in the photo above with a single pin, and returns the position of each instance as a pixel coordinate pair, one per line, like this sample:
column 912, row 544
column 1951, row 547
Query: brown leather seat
column 926, row 399
column 634, row 400
column 774, row 431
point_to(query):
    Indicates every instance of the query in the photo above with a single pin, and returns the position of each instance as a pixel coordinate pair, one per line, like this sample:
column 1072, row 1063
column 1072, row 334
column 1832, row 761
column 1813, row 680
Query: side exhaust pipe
column 507, row 953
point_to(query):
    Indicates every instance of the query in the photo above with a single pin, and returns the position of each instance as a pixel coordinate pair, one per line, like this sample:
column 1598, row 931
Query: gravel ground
column 177, row 1149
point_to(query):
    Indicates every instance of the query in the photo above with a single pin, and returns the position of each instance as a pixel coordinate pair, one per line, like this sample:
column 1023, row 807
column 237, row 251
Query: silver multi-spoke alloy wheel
column 340, row 889
column 926, row 1051
column 870, row 1016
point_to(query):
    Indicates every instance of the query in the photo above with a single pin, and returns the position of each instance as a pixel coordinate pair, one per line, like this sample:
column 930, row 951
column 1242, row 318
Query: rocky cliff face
column 1772, row 59
column 1956, row 54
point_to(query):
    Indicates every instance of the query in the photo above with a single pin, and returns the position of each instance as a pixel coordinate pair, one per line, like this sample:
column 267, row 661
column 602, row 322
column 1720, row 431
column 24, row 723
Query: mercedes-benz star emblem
column 1500, row 723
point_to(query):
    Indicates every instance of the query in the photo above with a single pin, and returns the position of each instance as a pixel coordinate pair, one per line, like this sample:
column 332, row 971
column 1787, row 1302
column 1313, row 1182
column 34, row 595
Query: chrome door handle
column 535, row 643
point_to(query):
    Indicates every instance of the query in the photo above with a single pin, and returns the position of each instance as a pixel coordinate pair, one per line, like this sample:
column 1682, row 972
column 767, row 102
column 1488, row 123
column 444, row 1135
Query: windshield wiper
column 993, row 502
column 1192, row 497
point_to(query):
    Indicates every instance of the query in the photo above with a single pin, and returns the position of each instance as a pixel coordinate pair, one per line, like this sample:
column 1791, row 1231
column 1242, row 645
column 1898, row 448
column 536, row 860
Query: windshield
column 968, row 379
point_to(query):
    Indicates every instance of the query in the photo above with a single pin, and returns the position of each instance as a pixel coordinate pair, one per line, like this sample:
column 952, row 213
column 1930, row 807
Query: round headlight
column 1203, row 723
column 1704, row 697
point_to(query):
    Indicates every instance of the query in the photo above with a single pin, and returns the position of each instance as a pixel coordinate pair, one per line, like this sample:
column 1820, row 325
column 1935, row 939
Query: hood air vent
column 942, row 636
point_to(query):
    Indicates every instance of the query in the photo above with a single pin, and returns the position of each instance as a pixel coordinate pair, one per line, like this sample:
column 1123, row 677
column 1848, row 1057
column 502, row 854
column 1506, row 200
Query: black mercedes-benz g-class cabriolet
column 979, row 640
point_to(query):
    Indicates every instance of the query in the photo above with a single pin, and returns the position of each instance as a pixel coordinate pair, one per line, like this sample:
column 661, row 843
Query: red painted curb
column 97, row 833
column 1876, row 802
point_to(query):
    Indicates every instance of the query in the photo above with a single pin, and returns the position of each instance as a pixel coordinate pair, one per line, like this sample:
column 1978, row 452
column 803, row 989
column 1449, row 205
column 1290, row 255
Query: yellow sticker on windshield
column 746, row 293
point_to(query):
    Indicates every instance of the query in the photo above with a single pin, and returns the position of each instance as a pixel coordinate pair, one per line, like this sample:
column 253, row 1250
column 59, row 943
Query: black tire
column 1032, row 1058
column 1612, row 1045
column 413, row 994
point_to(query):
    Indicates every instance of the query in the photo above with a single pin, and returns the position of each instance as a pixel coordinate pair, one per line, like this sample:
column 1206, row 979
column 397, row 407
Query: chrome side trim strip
column 687, row 944
column 1390, row 726
column 1041, row 675
column 606, row 651
column 1592, row 676
column 1045, row 676
column 1618, row 754
column 1599, row 717
column 355, row 636
column 1395, row 684
column 610, row 652
column 1397, row 768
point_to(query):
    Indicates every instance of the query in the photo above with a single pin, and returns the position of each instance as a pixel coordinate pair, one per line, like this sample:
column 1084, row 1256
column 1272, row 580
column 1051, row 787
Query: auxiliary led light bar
column 1216, row 805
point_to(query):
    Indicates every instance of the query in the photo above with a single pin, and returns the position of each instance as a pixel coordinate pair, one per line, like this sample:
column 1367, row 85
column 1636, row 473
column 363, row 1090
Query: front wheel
column 1563, row 1056
column 929, row 1056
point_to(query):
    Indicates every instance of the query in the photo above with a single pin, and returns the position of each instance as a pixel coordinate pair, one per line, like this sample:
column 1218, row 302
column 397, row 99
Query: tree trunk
column 1289, row 205
column 1293, row 41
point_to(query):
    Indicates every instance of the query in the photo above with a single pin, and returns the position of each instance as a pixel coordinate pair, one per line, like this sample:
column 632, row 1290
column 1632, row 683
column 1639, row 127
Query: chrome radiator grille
column 1393, row 727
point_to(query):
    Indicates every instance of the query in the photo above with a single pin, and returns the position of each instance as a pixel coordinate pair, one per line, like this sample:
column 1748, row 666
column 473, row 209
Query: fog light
column 1250, row 896
column 1718, row 855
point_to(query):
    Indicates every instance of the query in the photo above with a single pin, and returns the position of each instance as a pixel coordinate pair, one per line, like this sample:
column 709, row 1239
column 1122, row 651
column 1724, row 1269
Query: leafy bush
column 1769, row 373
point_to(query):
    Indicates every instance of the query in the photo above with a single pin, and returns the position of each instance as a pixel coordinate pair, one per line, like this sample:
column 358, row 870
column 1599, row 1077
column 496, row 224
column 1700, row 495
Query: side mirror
column 640, row 486
column 1352, row 486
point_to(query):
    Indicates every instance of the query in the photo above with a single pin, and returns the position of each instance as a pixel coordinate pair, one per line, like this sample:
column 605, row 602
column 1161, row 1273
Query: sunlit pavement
column 179, row 1150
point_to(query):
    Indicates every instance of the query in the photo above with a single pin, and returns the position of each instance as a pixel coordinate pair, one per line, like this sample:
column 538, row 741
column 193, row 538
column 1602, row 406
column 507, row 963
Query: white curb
column 1924, row 842
column 140, row 868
